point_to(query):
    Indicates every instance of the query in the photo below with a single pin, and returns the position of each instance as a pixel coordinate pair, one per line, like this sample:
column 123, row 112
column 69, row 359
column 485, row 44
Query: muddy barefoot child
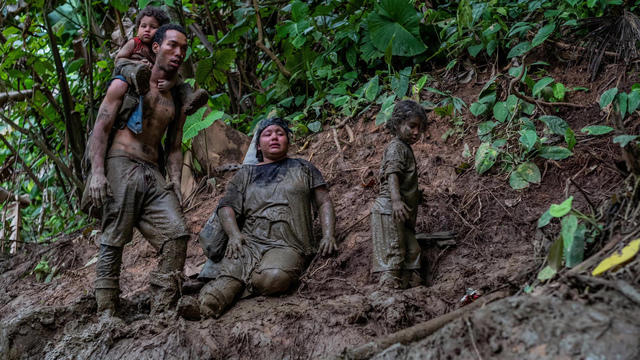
column 396, row 253
column 135, row 59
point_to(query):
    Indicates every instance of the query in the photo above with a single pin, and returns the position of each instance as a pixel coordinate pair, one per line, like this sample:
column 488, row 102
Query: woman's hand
column 234, row 246
column 327, row 245
column 400, row 211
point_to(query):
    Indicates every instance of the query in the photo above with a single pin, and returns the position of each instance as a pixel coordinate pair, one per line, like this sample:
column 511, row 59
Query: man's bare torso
column 158, row 112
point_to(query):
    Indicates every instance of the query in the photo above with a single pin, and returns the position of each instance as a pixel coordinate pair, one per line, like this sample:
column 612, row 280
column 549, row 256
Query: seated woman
column 266, row 213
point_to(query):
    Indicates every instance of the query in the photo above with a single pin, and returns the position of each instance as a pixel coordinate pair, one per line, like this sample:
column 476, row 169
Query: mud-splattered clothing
column 272, row 203
column 142, row 199
column 394, row 245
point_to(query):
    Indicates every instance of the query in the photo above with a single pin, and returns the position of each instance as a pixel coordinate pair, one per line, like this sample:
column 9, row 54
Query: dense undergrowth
column 315, row 63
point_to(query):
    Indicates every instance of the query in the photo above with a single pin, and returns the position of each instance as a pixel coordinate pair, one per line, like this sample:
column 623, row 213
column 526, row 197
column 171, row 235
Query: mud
column 336, row 304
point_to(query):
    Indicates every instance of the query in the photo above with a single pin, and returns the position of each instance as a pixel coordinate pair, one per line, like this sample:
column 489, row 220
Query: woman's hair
column 265, row 124
column 403, row 111
column 154, row 12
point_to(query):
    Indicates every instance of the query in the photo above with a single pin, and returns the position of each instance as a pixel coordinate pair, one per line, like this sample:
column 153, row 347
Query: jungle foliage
column 312, row 62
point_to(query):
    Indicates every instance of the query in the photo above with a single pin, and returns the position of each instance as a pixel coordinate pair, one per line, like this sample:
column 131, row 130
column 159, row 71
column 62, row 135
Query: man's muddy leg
column 107, row 278
column 217, row 295
column 166, row 281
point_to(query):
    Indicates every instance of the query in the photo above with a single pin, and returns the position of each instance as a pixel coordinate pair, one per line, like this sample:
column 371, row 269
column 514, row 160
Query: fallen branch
column 621, row 286
column 15, row 96
column 419, row 331
column 261, row 45
column 8, row 195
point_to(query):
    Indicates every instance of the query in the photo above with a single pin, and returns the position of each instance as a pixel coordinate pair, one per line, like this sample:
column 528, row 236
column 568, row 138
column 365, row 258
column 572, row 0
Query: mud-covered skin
column 395, row 247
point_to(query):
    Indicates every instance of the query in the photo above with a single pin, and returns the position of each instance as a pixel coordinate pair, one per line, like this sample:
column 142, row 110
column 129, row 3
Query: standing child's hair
column 154, row 12
column 403, row 111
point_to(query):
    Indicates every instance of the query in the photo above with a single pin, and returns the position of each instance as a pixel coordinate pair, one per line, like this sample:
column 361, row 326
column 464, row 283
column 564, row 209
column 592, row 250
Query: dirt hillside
column 337, row 305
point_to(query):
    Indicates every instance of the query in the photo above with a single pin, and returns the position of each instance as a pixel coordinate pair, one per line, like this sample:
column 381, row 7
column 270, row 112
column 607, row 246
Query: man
column 126, row 179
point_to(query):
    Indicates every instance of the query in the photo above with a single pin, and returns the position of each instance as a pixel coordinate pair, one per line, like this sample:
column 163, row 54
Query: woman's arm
column 230, row 226
column 327, row 220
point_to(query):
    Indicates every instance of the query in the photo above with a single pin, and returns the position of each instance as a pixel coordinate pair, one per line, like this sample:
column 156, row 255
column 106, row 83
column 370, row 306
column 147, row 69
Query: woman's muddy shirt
column 274, row 201
column 398, row 159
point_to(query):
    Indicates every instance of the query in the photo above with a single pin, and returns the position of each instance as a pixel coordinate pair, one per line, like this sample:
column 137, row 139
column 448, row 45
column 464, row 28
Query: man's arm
column 327, row 220
column 174, row 154
column 99, row 187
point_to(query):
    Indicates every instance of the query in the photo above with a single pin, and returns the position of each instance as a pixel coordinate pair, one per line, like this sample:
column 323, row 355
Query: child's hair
column 162, row 30
column 403, row 111
column 154, row 12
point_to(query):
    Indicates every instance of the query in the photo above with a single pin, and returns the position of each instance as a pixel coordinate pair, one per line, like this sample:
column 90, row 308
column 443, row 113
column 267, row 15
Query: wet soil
column 337, row 304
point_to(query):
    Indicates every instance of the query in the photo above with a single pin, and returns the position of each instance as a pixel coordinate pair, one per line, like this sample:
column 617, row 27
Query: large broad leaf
column 597, row 129
column 543, row 34
column 203, row 69
column 519, row 49
column 555, row 152
column 500, row 111
column 554, row 259
column 572, row 240
column 528, row 138
column 544, row 220
column 372, row 88
column 400, row 82
column 624, row 140
column 195, row 123
column 485, row 157
column 634, row 101
column 523, row 175
column 541, row 84
column 478, row 108
column 562, row 209
column 547, row 273
column 607, row 97
column 397, row 20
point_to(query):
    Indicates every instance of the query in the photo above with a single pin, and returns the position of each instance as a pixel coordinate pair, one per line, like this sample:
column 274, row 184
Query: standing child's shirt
column 398, row 159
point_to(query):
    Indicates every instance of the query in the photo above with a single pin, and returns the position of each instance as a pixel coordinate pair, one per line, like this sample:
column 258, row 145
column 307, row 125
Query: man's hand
column 99, row 189
column 234, row 246
column 327, row 245
column 400, row 211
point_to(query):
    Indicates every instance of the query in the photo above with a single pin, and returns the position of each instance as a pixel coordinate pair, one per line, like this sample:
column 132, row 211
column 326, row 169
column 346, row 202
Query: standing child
column 396, row 253
column 135, row 59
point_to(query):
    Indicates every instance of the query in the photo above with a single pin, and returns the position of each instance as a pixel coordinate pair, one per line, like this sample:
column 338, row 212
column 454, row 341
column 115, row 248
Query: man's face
column 170, row 54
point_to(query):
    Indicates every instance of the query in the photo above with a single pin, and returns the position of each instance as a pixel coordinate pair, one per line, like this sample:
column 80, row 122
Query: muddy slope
column 337, row 305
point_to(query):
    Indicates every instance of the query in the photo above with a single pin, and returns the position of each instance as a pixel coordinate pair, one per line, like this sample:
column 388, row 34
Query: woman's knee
column 271, row 281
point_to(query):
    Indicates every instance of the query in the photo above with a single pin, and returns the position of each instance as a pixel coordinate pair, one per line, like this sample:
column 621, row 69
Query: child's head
column 148, row 21
column 408, row 121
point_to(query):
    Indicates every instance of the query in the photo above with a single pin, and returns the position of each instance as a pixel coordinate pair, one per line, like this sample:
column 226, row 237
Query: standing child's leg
column 388, row 254
column 411, row 267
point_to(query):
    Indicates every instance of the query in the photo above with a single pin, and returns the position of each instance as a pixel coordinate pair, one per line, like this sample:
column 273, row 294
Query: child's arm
column 127, row 50
column 166, row 84
column 400, row 209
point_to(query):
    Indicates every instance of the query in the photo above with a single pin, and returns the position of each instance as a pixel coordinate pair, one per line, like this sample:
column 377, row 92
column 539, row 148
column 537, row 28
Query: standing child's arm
column 400, row 209
column 127, row 50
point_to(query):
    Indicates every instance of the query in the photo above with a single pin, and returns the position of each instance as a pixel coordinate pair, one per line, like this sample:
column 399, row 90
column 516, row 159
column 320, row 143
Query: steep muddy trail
column 337, row 304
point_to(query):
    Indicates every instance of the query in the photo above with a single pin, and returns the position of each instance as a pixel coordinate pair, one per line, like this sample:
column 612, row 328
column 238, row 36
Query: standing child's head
column 408, row 121
column 148, row 21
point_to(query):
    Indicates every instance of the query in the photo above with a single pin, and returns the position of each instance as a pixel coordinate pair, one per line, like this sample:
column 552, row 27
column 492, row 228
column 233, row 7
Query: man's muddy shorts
column 142, row 199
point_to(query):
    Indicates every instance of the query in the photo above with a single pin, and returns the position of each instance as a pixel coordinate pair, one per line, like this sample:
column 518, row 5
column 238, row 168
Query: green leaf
column 397, row 20
column 195, row 123
column 562, row 209
column 203, row 69
column 622, row 104
column 500, row 111
column 541, row 84
column 547, row 273
column 523, row 175
column 121, row 5
column 385, row 110
column 485, row 127
column 591, row 3
column 486, row 156
column 555, row 152
column 559, row 91
column 554, row 259
column 573, row 245
column 607, row 97
column 475, row 49
column 400, row 82
column 555, row 124
column 478, row 109
column 372, row 88
column 634, row 101
column 544, row 220
column 624, row 140
column 528, row 138
column 420, row 84
column 596, row 129
column 570, row 138
column 519, row 50
column 315, row 126
column 299, row 11
column 75, row 65
column 543, row 34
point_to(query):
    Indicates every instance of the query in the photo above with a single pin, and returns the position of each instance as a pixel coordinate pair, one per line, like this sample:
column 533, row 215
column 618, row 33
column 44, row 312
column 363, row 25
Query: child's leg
column 388, row 255
column 411, row 275
column 191, row 100
column 136, row 74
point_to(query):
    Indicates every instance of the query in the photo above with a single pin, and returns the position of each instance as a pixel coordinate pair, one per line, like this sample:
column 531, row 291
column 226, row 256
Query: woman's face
column 273, row 143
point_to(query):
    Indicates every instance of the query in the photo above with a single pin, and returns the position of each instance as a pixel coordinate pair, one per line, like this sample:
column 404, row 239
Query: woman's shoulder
column 301, row 162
